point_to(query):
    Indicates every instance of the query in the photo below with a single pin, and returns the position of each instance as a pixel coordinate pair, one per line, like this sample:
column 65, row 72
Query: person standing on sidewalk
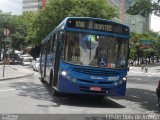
column 142, row 67
column 146, row 68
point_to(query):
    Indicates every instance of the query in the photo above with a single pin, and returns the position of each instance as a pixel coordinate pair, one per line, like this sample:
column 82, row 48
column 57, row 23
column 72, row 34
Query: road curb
column 3, row 79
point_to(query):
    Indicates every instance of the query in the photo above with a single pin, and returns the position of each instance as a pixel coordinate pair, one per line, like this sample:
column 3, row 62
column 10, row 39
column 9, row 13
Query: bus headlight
column 64, row 73
column 125, row 78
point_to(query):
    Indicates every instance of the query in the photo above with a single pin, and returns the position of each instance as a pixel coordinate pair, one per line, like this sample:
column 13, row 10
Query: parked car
column 32, row 63
column 158, row 93
column 15, row 59
column 36, row 64
column 26, row 61
column 26, row 56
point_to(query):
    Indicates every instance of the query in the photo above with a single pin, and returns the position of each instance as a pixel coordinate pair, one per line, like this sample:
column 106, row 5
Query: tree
column 16, row 26
column 46, row 20
column 134, row 42
column 28, row 22
column 137, row 52
column 19, row 33
column 145, row 8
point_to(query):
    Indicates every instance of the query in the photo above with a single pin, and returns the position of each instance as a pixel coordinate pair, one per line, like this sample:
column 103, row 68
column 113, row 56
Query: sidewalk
column 14, row 71
column 153, row 68
column 149, row 65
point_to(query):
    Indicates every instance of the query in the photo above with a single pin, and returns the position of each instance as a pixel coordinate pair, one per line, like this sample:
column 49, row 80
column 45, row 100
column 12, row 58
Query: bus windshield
column 95, row 50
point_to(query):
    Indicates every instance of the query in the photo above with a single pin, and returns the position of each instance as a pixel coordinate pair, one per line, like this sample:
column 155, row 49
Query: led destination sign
column 95, row 26
column 98, row 26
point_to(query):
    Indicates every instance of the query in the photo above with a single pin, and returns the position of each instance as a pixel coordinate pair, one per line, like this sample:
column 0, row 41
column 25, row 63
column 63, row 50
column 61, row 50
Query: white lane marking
column 6, row 90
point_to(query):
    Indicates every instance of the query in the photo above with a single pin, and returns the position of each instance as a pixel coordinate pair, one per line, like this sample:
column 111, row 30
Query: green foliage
column 5, row 23
column 12, row 23
column 32, row 27
column 135, row 42
column 145, row 7
column 133, row 52
column 28, row 19
column 46, row 20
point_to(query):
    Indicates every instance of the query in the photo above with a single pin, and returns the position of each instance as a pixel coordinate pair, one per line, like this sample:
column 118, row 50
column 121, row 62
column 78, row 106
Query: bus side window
column 55, row 39
column 45, row 49
column 48, row 52
column 42, row 53
column 64, row 47
column 48, row 47
column 52, row 44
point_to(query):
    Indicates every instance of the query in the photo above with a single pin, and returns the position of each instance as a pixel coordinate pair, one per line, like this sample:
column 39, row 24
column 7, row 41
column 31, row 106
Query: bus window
column 88, row 45
column 122, row 60
column 48, row 47
column 93, row 50
column 52, row 44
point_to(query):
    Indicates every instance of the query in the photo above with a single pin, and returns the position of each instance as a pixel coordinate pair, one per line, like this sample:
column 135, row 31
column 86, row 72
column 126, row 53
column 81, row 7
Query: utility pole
column 6, row 33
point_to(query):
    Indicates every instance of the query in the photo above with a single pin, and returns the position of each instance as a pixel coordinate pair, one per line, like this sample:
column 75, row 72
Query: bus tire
column 42, row 78
column 51, row 79
column 159, row 101
column 51, row 84
column 54, row 92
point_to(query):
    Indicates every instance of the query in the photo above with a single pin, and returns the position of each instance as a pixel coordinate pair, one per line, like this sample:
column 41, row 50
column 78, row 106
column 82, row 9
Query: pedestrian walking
column 142, row 67
column 146, row 68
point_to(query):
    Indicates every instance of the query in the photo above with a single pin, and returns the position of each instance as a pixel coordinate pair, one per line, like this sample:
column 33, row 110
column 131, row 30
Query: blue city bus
column 85, row 55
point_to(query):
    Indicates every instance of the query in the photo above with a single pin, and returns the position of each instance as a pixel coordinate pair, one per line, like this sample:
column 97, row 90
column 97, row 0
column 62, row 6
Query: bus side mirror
column 128, row 69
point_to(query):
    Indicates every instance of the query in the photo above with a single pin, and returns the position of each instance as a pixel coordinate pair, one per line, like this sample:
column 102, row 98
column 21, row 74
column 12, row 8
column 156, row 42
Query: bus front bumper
column 67, row 86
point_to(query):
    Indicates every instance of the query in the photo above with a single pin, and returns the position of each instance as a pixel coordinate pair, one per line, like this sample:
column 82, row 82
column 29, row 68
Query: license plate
column 95, row 88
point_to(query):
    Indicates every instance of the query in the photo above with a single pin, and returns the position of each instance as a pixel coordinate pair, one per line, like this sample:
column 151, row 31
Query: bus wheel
column 51, row 79
column 42, row 78
column 54, row 91
column 51, row 84
column 159, row 101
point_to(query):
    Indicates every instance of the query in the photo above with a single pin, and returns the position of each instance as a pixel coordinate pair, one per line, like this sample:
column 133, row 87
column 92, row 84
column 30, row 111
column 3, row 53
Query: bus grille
column 96, row 72
column 97, row 82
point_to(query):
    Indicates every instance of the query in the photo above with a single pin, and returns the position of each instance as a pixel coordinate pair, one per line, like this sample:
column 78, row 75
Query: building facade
column 137, row 23
column 33, row 5
column 119, row 5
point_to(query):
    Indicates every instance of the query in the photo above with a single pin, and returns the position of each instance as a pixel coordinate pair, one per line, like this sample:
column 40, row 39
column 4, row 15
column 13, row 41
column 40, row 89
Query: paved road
column 28, row 95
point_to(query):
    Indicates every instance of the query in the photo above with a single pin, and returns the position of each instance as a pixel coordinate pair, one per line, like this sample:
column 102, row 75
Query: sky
column 155, row 23
column 15, row 7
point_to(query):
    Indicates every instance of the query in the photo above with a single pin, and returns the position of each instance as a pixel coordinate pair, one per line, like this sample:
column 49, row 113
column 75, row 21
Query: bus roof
column 62, row 25
column 93, row 19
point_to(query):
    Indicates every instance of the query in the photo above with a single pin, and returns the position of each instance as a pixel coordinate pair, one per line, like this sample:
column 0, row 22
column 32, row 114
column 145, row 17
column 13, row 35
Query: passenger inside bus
column 76, row 50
